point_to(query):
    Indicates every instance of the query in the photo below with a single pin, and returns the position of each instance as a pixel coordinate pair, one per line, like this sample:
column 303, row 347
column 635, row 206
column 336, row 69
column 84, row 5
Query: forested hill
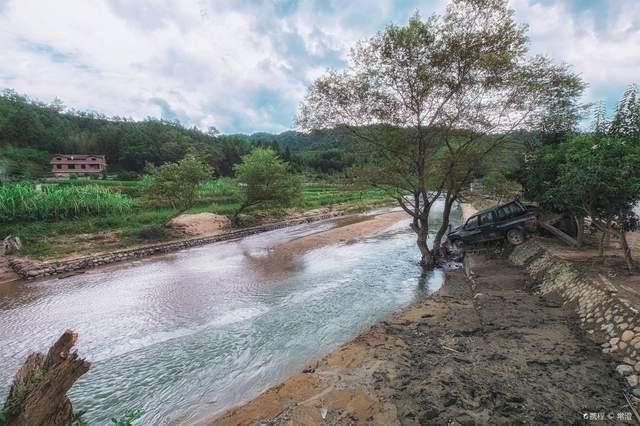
column 31, row 130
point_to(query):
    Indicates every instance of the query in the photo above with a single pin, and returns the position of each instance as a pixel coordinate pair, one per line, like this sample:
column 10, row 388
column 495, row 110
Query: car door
column 486, row 227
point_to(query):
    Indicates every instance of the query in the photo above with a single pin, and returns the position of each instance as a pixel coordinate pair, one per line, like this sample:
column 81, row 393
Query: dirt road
column 487, row 352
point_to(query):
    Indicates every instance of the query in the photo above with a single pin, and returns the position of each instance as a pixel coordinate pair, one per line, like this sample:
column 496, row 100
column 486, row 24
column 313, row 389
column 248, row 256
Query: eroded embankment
column 490, row 350
column 602, row 311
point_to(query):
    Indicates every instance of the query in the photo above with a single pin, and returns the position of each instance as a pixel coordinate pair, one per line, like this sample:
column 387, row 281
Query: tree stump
column 38, row 394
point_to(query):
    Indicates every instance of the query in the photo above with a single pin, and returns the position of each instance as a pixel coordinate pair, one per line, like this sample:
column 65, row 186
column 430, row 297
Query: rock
column 632, row 380
column 628, row 361
column 624, row 370
column 628, row 335
column 614, row 341
column 637, row 367
column 623, row 326
column 622, row 346
column 636, row 391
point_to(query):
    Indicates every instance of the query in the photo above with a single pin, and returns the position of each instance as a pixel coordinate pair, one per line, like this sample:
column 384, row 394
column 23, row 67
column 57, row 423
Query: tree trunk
column 605, row 232
column 579, row 229
column 627, row 252
column 427, row 260
column 438, row 248
column 38, row 393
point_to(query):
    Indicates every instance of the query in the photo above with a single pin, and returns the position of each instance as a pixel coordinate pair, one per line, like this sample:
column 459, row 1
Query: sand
column 200, row 224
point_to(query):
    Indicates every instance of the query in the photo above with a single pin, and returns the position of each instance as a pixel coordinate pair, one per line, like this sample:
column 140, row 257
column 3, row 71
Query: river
column 187, row 335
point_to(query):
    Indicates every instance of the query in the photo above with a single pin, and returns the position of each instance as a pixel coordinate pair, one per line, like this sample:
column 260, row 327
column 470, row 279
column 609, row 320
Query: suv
column 511, row 221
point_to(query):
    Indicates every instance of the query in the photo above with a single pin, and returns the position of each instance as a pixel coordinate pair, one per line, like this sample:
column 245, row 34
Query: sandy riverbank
column 491, row 352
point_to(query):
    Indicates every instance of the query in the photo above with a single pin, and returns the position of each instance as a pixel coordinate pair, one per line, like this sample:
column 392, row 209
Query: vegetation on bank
column 24, row 202
column 144, row 224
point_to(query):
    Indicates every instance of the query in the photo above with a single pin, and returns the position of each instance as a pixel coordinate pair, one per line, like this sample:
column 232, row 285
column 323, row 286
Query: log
column 558, row 233
column 38, row 394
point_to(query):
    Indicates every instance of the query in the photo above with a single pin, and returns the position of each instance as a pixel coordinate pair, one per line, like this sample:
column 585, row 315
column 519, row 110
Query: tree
column 461, row 81
column 175, row 184
column 496, row 184
column 626, row 120
column 601, row 177
column 265, row 181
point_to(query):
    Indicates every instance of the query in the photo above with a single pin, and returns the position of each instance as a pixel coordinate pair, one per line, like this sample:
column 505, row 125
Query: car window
column 502, row 213
column 484, row 218
column 508, row 211
column 471, row 223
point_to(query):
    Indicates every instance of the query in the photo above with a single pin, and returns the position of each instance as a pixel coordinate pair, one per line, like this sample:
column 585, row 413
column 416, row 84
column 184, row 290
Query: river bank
column 31, row 269
column 487, row 351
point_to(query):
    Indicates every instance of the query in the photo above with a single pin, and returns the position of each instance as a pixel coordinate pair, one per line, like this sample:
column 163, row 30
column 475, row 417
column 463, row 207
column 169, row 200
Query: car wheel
column 515, row 237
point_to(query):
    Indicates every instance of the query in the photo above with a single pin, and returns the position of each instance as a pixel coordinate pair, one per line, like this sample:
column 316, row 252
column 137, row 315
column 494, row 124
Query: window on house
column 72, row 166
column 58, row 166
column 84, row 166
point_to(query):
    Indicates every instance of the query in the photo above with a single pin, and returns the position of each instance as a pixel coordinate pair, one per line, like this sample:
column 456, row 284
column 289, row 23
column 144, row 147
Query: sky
column 243, row 66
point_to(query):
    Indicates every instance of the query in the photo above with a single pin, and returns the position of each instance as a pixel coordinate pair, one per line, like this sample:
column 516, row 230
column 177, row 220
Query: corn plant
column 24, row 202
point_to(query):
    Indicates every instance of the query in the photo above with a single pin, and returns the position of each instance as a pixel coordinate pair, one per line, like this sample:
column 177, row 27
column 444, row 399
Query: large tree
column 424, row 96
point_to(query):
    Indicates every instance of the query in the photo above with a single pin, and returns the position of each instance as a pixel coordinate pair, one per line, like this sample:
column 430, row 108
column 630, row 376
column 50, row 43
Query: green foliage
column 24, row 202
column 265, row 181
column 3, row 416
column 626, row 121
column 601, row 177
column 496, row 184
column 22, row 163
column 129, row 419
column 175, row 184
column 42, row 129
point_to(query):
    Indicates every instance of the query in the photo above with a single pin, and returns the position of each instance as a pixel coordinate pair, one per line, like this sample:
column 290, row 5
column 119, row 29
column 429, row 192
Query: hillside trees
column 437, row 90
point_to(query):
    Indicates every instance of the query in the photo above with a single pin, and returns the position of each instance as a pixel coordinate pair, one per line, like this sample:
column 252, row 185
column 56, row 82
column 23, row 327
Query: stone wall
column 602, row 310
column 31, row 270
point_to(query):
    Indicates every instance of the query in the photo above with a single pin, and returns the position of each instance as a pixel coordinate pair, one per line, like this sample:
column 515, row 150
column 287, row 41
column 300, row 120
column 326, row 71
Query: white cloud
column 605, row 50
column 244, row 65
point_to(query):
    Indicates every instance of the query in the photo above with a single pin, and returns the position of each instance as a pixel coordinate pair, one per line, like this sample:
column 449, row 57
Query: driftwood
column 38, row 393
column 558, row 233
column 10, row 244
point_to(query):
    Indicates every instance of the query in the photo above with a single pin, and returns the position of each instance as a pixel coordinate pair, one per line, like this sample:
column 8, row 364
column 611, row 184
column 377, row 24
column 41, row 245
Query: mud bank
column 491, row 350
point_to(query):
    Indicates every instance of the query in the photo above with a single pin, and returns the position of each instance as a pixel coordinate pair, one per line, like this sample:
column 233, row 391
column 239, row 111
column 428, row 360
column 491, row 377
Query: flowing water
column 190, row 334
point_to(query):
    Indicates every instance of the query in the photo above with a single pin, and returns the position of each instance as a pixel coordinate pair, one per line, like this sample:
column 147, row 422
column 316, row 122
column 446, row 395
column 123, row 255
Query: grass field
column 51, row 236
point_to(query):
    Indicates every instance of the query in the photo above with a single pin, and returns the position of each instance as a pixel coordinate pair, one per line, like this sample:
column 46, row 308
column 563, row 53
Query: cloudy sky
column 243, row 65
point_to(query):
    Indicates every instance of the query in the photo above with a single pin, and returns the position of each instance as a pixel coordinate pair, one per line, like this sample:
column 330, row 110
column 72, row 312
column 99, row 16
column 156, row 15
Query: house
column 67, row 165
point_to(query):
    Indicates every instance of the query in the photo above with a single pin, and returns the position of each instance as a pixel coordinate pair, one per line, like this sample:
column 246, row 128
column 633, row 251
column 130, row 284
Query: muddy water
column 191, row 334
